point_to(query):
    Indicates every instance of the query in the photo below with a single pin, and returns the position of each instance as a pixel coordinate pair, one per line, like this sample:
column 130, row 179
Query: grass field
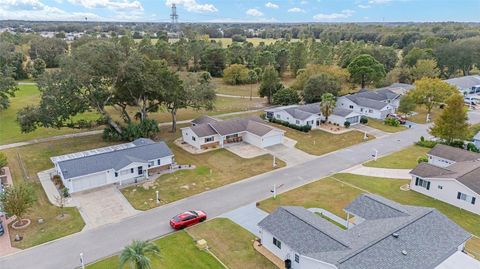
column 213, row 169
column 244, row 90
column 35, row 158
column 317, row 142
column 232, row 244
column 378, row 124
column 177, row 251
column 403, row 159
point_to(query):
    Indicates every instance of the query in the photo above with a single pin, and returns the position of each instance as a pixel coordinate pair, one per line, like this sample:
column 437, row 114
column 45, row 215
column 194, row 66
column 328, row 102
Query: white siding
column 273, row 137
column 86, row 182
column 447, row 192
column 284, row 116
column 252, row 139
column 190, row 137
column 344, row 102
column 437, row 161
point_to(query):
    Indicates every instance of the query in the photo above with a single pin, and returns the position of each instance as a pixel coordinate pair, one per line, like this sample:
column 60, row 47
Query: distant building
column 466, row 84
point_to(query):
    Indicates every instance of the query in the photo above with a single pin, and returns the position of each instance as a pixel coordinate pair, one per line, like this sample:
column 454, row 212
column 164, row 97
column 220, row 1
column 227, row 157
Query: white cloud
column 271, row 5
column 110, row 4
column 379, row 1
column 254, row 12
column 36, row 10
column 333, row 16
column 304, row 2
column 296, row 10
column 192, row 5
column 364, row 6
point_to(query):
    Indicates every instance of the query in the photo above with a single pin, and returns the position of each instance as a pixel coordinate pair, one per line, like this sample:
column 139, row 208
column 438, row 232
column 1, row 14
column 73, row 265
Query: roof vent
column 404, row 252
column 395, row 235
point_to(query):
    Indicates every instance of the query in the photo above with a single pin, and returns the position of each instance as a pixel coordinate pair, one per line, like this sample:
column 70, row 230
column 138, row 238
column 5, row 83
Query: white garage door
column 88, row 182
column 272, row 140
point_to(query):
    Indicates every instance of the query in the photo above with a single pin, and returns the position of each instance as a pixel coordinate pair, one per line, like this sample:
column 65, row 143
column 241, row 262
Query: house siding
column 344, row 102
column 440, row 162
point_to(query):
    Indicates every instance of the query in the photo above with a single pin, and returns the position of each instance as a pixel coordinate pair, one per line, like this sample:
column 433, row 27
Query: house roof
column 373, row 99
column 453, row 153
column 427, row 236
column 466, row 82
column 428, row 170
column 203, row 119
column 342, row 112
column 202, row 130
column 252, row 124
column 142, row 151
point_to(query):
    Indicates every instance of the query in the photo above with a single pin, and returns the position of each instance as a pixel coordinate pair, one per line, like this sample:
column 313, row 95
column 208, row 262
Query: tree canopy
column 318, row 85
column 452, row 124
column 366, row 69
column 430, row 92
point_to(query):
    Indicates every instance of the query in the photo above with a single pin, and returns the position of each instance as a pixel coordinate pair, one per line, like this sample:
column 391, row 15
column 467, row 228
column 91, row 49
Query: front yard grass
column 421, row 115
column 318, row 142
column 335, row 192
column 473, row 247
column 177, row 251
column 378, row 124
column 232, row 244
column 403, row 159
column 35, row 158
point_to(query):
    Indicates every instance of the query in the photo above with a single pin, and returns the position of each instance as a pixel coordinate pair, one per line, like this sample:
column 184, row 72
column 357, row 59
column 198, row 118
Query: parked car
column 2, row 230
column 401, row 119
column 187, row 218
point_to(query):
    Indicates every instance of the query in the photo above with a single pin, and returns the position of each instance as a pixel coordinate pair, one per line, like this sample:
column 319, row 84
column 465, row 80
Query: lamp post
column 158, row 198
column 375, row 155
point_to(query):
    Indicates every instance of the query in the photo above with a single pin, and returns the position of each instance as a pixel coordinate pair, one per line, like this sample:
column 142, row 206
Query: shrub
column 426, row 143
column 456, row 144
column 57, row 180
column 239, row 38
column 363, row 120
column 422, row 159
column 391, row 122
column 286, row 96
column 346, row 124
column 472, row 147
column 302, row 128
column 235, row 74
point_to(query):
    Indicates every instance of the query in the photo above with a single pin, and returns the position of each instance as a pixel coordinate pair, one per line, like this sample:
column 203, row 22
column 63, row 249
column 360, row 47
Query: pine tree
column 452, row 124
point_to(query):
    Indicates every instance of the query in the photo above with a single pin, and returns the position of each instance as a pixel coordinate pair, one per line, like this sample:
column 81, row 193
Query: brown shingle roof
column 202, row 130
column 453, row 154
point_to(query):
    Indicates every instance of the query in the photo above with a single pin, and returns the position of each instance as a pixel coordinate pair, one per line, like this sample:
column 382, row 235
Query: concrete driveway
column 103, row 206
column 371, row 131
column 247, row 216
column 289, row 153
column 245, row 150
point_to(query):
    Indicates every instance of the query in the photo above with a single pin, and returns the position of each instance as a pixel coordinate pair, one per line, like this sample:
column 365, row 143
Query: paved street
column 109, row 239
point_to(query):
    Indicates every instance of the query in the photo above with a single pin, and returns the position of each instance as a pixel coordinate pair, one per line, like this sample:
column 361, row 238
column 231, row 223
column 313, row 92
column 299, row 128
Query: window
column 116, row 174
column 140, row 170
column 158, row 162
column 361, row 109
column 278, row 116
column 440, row 187
column 297, row 258
column 152, row 163
column 193, row 138
column 297, row 121
column 209, row 139
column 131, row 170
column 370, row 111
column 277, row 243
column 466, row 198
column 351, row 107
column 231, row 136
column 422, row 183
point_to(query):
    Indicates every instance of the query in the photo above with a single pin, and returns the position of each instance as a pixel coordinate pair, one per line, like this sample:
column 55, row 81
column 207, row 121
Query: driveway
column 247, row 216
column 379, row 172
column 289, row 153
column 103, row 206
column 245, row 150
column 372, row 131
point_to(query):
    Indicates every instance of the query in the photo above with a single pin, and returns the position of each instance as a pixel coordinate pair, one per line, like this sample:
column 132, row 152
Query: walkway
column 108, row 239
column 50, row 189
column 372, row 131
column 248, row 217
column 379, row 172
column 237, row 96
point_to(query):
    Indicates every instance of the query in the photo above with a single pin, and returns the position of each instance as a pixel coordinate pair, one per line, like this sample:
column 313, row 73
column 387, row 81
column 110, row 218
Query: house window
column 278, row 116
column 466, row 198
column 140, row 170
column 131, row 170
column 231, row 136
column 351, row 107
column 440, row 187
column 116, row 174
column 370, row 111
column 158, row 162
column 422, row 183
column 297, row 258
column 209, row 139
column 152, row 163
column 277, row 243
column 193, row 138
column 297, row 121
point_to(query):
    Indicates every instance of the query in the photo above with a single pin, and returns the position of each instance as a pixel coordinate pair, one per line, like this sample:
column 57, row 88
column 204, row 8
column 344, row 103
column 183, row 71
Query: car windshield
column 193, row 213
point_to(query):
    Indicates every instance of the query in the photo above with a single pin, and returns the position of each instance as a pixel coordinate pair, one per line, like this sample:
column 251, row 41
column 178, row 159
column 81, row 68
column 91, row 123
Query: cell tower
column 174, row 17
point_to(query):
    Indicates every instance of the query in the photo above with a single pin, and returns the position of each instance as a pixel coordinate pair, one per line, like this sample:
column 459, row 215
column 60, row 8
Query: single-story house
column 386, row 234
column 451, row 175
column 476, row 140
column 310, row 114
column 466, row 84
column 374, row 104
column 124, row 163
column 218, row 133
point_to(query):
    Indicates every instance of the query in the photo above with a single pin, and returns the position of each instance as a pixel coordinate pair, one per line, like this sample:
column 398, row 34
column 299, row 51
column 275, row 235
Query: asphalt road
column 109, row 239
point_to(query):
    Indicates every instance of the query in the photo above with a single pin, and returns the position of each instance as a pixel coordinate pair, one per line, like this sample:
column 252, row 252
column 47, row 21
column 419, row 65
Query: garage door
column 88, row 182
column 272, row 140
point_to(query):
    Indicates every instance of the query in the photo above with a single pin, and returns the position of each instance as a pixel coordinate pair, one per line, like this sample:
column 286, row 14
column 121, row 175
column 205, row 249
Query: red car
column 401, row 119
column 187, row 218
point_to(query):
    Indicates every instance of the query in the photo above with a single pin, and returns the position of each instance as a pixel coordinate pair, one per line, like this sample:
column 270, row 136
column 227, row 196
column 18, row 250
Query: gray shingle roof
column 373, row 99
column 428, row 170
column 426, row 235
column 240, row 125
column 453, row 154
column 202, row 130
column 342, row 112
column 466, row 82
column 203, row 119
column 144, row 150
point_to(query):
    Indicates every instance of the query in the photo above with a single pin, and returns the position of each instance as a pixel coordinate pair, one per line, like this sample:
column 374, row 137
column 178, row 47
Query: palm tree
column 327, row 105
column 136, row 254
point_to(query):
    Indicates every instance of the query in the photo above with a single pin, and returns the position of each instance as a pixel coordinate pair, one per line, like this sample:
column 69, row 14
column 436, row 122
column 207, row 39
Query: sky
column 244, row 10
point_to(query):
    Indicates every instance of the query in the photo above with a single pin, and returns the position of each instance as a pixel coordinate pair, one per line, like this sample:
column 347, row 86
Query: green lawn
column 403, row 159
column 421, row 115
column 336, row 192
column 378, row 124
column 35, row 158
column 232, row 244
column 213, row 169
column 177, row 251
column 318, row 142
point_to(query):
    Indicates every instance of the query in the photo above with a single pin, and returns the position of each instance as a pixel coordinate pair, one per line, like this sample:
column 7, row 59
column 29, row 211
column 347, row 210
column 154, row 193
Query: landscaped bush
column 422, row 159
column 346, row 124
column 425, row 143
column 472, row 147
column 302, row 128
column 57, row 180
column 363, row 120
column 391, row 122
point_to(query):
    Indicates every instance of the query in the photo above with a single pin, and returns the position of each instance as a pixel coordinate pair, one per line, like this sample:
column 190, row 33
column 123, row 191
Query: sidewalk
column 371, row 131
column 50, row 189
column 379, row 172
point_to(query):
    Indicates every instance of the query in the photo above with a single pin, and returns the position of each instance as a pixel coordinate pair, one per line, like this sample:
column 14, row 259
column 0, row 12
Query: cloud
column 333, row 16
column 254, row 12
column 364, row 6
column 379, row 1
column 271, row 5
column 303, row 2
column 110, row 4
column 192, row 6
column 296, row 10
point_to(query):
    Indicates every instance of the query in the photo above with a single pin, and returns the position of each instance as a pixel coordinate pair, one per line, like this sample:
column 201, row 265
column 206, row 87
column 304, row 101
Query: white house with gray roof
column 466, row 84
column 374, row 104
column 119, row 164
column 452, row 175
column 387, row 235
column 310, row 114
column 210, row 133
